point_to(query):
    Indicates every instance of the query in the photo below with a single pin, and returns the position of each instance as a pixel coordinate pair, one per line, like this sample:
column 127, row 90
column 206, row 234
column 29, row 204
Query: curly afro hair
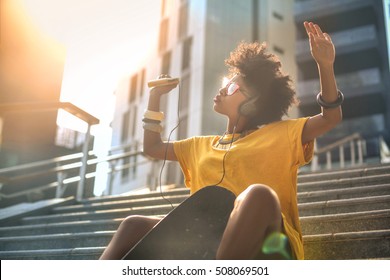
column 262, row 74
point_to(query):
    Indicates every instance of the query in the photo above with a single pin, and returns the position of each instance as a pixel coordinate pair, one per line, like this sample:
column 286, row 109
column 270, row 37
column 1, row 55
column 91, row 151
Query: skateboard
column 191, row 231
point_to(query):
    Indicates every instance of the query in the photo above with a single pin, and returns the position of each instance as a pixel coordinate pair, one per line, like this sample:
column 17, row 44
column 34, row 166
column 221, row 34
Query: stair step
column 344, row 173
column 11, row 214
column 344, row 183
column 344, row 205
column 305, row 209
column 344, row 215
column 85, row 253
column 98, row 215
column 139, row 202
column 56, row 241
column 343, row 193
column 348, row 245
column 358, row 221
column 156, row 199
column 166, row 193
column 65, row 227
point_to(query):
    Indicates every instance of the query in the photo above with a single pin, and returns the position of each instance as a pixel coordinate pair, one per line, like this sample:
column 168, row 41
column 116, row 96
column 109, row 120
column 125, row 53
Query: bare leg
column 256, row 214
column 129, row 232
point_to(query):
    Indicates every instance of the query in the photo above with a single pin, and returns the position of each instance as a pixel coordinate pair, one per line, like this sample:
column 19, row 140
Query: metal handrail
column 6, row 108
column 61, row 168
column 43, row 163
column 9, row 108
column 340, row 145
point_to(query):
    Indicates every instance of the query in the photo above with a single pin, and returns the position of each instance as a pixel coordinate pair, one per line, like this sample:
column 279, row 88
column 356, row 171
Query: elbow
column 334, row 119
column 147, row 151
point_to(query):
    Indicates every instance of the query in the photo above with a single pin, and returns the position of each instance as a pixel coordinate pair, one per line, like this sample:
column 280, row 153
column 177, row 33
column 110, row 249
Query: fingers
column 318, row 30
column 327, row 37
column 313, row 29
column 307, row 27
column 161, row 76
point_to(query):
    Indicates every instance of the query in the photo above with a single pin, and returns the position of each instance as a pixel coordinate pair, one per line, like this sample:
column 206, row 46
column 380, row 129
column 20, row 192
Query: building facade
column 31, row 70
column 357, row 28
column 195, row 38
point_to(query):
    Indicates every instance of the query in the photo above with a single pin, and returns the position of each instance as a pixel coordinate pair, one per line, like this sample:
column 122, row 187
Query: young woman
column 258, row 156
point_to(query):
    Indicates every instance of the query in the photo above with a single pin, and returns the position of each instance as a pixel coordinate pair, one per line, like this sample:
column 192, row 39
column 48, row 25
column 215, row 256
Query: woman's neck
column 236, row 125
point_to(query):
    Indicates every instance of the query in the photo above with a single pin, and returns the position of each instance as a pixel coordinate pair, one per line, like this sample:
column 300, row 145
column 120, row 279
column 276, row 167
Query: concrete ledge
column 109, row 205
column 344, row 173
column 167, row 193
column 351, row 192
column 344, row 205
column 88, row 253
column 56, row 241
column 347, row 222
column 343, row 183
column 99, row 215
column 66, row 227
column 10, row 215
column 351, row 245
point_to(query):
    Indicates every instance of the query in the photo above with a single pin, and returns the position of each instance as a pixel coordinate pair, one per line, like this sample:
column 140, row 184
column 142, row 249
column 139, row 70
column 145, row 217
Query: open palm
column 321, row 45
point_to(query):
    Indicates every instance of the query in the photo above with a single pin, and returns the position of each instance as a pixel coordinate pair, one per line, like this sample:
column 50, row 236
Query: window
column 184, row 106
column 133, row 88
column 166, row 63
column 186, row 59
column 277, row 15
column 185, row 94
column 125, row 166
column 163, row 4
column 125, row 126
column 278, row 50
column 135, row 158
column 163, row 40
column 182, row 130
column 183, row 20
column 134, row 124
column 142, row 82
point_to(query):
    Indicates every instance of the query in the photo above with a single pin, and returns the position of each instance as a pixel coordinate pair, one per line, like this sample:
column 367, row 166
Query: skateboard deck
column 191, row 231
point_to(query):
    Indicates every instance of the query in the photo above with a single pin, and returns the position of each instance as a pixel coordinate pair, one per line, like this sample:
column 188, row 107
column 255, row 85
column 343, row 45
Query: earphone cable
column 166, row 149
column 224, row 157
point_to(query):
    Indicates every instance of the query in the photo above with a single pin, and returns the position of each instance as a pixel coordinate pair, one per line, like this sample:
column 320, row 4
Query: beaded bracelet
column 326, row 105
column 153, row 115
column 145, row 120
column 152, row 127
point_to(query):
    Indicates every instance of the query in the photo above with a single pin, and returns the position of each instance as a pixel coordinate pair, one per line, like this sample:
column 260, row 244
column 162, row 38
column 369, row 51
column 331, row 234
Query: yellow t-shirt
column 270, row 155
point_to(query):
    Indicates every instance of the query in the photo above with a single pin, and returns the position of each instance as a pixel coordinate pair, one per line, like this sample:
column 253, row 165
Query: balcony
column 363, row 91
column 350, row 40
column 311, row 9
column 357, row 82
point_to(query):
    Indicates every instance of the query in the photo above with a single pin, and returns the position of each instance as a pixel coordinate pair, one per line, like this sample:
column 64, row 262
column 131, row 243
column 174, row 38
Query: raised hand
column 160, row 90
column 321, row 45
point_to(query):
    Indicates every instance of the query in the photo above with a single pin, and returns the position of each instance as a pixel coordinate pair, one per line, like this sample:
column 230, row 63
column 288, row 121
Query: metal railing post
column 60, row 184
column 352, row 144
column 314, row 161
column 112, row 177
column 83, row 168
column 341, row 154
column 328, row 160
column 360, row 151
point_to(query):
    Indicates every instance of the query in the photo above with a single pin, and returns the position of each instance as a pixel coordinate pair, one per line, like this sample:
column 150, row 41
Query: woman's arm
column 153, row 145
column 323, row 52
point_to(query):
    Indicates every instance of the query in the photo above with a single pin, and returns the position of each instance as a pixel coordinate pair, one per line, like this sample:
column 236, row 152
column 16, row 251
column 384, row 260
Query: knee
column 134, row 222
column 259, row 193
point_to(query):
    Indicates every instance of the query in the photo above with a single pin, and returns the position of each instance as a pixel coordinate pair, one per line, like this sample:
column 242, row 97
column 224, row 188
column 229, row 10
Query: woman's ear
column 248, row 108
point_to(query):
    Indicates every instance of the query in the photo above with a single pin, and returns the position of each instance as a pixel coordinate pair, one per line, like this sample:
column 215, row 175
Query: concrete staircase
column 344, row 215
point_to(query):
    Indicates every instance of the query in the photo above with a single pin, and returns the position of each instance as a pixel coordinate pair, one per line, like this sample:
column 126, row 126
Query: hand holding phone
column 163, row 82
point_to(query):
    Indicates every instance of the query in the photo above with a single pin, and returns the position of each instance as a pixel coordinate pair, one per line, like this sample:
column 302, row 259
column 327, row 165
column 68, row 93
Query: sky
column 105, row 41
